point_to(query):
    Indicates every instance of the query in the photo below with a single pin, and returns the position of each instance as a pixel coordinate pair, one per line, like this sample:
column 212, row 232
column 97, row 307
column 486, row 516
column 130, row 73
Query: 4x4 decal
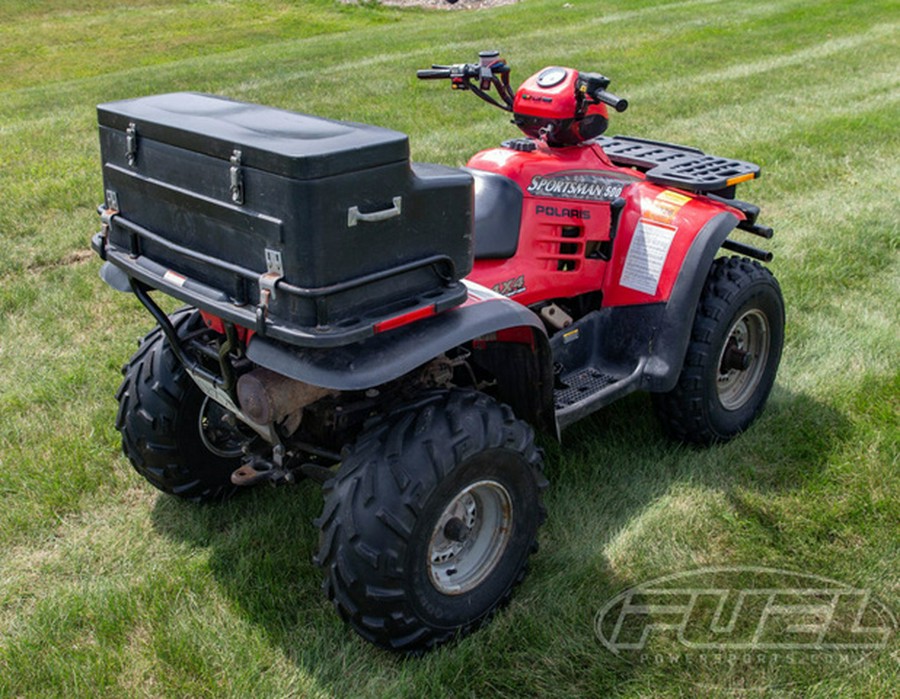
column 510, row 287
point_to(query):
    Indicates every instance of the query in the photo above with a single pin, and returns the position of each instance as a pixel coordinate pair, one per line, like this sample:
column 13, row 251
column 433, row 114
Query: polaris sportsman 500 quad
column 397, row 331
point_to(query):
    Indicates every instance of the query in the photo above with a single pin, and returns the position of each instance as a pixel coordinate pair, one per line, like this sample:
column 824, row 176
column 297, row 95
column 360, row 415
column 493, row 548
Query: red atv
column 395, row 329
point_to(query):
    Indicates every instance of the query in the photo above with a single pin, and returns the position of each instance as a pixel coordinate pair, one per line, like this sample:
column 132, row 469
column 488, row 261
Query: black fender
column 393, row 354
column 670, row 341
column 644, row 345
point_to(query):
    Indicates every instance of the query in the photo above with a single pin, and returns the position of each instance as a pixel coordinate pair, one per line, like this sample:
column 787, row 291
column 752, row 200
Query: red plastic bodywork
column 217, row 325
column 548, row 265
column 555, row 102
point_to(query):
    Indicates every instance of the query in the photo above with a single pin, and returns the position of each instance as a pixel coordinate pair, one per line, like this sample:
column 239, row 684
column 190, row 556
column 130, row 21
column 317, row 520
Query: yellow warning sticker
column 673, row 197
column 664, row 207
column 571, row 336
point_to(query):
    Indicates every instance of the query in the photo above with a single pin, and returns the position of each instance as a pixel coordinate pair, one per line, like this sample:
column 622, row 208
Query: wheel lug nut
column 456, row 530
column 736, row 359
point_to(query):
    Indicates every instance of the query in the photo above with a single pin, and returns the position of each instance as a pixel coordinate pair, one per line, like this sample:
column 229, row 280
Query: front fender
column 670, row 342
column 393, row 354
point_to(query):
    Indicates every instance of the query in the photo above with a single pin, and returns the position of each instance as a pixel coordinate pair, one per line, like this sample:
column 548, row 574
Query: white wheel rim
column 749, row 337
column 470, row 537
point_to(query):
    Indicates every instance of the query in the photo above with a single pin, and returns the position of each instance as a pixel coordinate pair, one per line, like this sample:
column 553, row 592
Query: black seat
column 498, row 213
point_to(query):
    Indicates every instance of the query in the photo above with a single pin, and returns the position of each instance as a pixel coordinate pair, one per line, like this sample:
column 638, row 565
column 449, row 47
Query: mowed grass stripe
column 275, row 59
column 44, row 230
column 109, row 589
column 101, row 38
column 807, row 57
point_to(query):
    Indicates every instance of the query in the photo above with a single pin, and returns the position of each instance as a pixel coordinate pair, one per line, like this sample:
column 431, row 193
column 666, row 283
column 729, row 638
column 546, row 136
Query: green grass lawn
column 108, row 588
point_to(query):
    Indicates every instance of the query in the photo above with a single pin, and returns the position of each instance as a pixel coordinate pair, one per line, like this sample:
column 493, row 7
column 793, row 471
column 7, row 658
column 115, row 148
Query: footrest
column 581, row 385
column 672, row 165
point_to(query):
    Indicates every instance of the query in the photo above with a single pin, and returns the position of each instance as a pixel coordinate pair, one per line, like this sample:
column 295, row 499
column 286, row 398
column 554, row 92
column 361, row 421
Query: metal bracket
column 223, row 398
column 256, row 469
column 237, row 179
column 555, row 316
column 106, row 215
column 131, row 144
column 268, row 282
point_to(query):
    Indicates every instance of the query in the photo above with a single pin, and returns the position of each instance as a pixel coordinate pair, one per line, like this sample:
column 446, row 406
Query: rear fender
column 486, row 317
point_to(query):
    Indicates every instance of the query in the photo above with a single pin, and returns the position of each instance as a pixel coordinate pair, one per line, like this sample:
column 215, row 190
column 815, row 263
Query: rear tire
column 163, row 436
column 732, row 358
column 429, row 523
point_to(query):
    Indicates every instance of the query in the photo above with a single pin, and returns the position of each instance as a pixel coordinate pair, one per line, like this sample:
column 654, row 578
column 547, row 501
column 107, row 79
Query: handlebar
column 620, row 104
column 490, row 71
column 484, row 71
column 493, row 71
column 433, row 74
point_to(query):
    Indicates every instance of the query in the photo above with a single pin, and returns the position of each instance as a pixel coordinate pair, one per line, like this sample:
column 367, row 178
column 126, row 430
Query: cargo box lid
column 275, row 140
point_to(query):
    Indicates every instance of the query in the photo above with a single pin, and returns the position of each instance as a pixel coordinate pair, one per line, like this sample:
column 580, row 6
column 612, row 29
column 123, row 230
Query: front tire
column 181, row 442
column 732, row 358
column 429, row 523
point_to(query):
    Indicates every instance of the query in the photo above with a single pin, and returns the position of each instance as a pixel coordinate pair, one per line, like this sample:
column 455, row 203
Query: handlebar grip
column 433, row 74
column 618, row 103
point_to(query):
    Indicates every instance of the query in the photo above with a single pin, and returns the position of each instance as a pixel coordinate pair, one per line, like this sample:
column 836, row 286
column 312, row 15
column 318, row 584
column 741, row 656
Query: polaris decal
column 561, row 212
column 586, row 186
column 510, row 287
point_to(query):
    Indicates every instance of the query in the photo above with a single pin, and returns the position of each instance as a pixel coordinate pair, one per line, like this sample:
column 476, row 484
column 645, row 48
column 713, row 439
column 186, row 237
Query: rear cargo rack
column 683, row 167
column 325, row 331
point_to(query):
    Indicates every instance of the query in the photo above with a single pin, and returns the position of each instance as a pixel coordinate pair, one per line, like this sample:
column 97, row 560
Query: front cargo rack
column 683, row 167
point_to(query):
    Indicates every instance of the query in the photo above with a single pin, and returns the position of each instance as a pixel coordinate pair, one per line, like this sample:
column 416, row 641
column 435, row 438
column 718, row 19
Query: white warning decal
column 174, row 278
column 646, row 256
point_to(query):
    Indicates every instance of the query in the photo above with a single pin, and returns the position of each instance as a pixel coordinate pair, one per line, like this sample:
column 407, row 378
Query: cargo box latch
column 131, row 144
column 237, row 181
column 267, row 284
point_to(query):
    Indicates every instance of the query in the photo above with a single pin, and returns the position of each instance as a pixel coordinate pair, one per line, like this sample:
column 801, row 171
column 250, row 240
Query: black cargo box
column 306, row 229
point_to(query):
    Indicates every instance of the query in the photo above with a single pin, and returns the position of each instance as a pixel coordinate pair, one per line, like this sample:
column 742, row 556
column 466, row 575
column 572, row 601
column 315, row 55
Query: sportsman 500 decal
column 586, row 186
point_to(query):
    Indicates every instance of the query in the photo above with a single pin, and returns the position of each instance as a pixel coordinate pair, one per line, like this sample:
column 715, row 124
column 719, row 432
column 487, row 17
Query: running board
column 589, row 390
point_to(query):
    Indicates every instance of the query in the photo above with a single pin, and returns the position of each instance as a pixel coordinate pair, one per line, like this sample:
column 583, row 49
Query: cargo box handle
column 354, row 215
